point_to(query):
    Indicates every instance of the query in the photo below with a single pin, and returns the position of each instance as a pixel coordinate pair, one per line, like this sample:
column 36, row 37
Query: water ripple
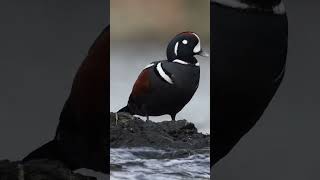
column 149, row 163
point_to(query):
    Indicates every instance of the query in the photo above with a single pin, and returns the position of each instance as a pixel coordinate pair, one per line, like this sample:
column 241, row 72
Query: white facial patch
column 185, row 41
column 149, row 65
column 197, row 48
column 176, row 48
column 163, row 74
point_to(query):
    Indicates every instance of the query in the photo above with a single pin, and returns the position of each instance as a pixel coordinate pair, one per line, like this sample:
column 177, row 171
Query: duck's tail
column 125, row 109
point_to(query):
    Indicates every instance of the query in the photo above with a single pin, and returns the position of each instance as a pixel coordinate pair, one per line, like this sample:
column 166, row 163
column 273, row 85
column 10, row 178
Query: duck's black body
column 249, row 50
column 81, row 137
column 165, row 87
column 159, row 97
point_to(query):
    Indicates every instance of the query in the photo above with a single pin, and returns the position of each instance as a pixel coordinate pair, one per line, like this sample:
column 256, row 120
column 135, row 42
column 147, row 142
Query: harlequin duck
column 249, row 40
column 165, row 87
column 82, row 136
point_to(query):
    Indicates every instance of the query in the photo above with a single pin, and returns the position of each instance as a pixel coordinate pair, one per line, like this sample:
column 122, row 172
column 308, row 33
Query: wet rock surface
column 38, row 170
column 129, row 131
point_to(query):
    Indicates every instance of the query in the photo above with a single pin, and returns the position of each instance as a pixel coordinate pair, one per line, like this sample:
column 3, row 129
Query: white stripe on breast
column 149, row 65
column 163, row 74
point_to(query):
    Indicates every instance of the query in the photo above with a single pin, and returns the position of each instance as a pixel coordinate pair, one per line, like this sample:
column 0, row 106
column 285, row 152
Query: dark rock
column 130, row 131
column 9, row 170
column 178, row 153
column 38, row 170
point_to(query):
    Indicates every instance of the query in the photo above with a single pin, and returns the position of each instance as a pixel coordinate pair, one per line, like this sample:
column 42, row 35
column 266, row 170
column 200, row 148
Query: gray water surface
column 148, row 163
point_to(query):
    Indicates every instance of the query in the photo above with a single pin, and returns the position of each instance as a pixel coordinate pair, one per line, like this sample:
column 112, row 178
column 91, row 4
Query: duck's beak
column 203, row 53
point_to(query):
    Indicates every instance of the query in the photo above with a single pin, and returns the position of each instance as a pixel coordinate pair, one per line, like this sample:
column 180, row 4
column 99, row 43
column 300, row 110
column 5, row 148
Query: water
column 148, row 163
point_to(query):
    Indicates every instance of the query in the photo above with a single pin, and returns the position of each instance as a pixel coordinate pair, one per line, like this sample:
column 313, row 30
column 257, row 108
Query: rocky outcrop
column 130, row 131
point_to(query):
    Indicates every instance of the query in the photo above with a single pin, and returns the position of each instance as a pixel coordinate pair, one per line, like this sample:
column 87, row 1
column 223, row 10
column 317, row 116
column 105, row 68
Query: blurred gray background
column 42, row 43
column 285, row 143
column 140, row 32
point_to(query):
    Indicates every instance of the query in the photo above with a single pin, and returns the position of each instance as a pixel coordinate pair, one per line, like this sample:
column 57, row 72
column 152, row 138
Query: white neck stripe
column 163, row 74
column 183, row 62
column 179, row 61
column 279, row 9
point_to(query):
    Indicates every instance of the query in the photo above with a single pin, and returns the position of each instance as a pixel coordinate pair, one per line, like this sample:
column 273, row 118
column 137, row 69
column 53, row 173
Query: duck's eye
column 185, row 41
